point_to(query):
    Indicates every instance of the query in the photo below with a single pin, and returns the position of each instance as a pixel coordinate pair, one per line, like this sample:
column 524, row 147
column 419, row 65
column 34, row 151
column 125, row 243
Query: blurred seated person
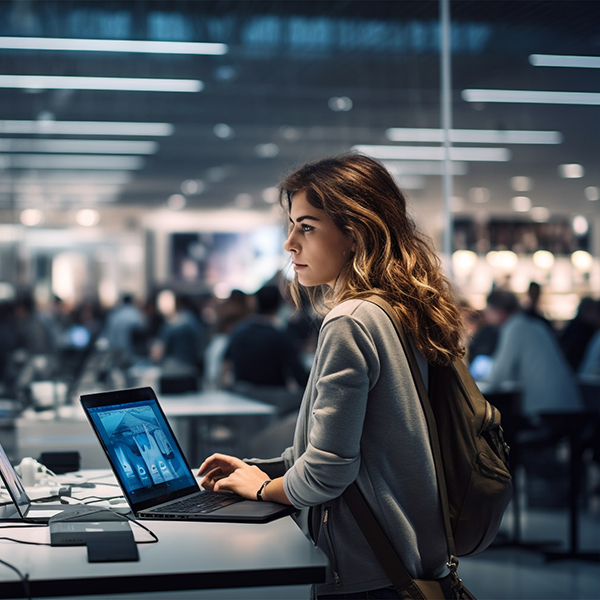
column 121, row 322
column 262, row 353
column 579, row 332
column 32, row 333
column 227, row 315
column 482, row 337
column 528, row 354
column 532, row 304
column 182, row 338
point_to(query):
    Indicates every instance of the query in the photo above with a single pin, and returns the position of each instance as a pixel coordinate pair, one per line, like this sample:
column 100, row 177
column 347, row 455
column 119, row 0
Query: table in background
column 191, row 415
column 201, row 409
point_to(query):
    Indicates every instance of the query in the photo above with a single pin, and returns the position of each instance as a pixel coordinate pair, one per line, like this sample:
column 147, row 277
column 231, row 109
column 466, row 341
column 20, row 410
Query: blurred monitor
column 78, row 336
column 481, row 366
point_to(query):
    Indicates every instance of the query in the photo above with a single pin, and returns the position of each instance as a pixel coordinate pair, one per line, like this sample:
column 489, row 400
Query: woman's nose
column 289, row 245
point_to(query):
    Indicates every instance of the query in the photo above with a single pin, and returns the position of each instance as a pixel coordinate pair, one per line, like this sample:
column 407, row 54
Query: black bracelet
column 261, row 489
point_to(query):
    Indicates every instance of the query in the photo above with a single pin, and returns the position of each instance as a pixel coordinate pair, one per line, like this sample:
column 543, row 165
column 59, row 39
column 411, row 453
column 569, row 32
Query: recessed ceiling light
column 267, row 150
column 581, row 260
column 531, row 97
column 474, row 136
column 128, row 84
column 244, row 201
column 193, row 187
column 434, row 153
column 31, row 217
column 79, row 45
column 521, row 184
column 176, row 202
column 543, row 259
column 521, row 203
column 340, row 103
column 540, row 214
column 571, row 171
column 580, row 225
column 270, row 195
column 87, row 217
column 592, row 193
column 224, row 131
column 290, row 134
column 479, row 195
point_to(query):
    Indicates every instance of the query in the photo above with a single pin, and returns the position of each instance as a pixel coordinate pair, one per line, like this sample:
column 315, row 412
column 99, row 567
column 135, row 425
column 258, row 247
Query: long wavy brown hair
column 392, row 258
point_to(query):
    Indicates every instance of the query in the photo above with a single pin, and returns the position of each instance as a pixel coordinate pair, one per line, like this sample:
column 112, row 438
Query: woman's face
column 319, row 249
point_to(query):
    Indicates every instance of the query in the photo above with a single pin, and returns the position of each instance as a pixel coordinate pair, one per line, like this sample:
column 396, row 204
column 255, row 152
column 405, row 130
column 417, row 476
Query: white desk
column 219, row 558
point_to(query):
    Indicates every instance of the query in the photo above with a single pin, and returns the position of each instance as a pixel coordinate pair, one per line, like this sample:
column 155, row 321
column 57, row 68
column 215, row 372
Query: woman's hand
column 223, row 473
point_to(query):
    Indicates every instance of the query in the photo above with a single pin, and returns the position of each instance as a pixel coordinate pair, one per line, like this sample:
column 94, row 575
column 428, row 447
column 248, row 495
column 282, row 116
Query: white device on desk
column 151, row 469
column 19, row 507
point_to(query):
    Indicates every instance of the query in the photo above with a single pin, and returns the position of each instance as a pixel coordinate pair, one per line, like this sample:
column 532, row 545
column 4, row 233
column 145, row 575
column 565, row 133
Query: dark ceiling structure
column 297, row 81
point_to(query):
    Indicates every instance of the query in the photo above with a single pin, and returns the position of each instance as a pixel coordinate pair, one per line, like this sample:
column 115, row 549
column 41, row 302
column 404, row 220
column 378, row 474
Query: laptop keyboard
column 200, row 503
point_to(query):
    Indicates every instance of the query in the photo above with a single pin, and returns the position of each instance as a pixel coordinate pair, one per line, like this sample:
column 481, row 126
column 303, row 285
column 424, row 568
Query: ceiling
column 279, row 96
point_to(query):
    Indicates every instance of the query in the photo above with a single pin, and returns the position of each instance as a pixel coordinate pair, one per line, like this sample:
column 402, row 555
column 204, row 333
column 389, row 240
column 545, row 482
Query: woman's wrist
column 261, row 489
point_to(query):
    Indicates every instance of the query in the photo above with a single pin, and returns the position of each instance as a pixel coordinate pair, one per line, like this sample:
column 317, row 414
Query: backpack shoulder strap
column 380, row 544
column 429, row 416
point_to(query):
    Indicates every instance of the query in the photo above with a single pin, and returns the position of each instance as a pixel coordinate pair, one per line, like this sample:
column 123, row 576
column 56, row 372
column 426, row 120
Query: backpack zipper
column 329, row 541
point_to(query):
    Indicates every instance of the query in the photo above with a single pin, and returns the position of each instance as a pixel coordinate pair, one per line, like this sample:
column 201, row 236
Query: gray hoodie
column 361, row 420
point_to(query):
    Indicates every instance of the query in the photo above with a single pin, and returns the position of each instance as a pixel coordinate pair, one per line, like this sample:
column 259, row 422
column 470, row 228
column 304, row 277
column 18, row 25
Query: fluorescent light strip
column 128, row 84
column 78, row 146
column 78, row 45
column 46, row 193
column 68, row 177
column 531, row 97
column 93, row 162
column 415, row 167
column 557, row 60
column 119, row 128
column 474, row 136
column 435, row 153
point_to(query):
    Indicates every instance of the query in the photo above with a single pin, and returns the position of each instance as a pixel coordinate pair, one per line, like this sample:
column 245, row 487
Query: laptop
column 151, row 469
column 15, row 504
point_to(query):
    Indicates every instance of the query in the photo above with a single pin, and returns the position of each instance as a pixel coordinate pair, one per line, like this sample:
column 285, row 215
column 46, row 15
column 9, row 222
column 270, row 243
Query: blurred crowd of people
column 253, row 340
column 258, row 344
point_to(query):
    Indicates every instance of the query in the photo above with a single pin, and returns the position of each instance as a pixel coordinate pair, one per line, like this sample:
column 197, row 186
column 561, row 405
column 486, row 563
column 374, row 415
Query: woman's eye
column 307, row 228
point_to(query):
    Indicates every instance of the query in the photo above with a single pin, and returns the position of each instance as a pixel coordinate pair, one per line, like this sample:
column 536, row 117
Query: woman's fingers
column 223, row 461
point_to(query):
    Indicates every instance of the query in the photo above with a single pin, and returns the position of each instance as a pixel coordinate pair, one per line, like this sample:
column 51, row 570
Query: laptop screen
column 17, row 496
column 142, row 450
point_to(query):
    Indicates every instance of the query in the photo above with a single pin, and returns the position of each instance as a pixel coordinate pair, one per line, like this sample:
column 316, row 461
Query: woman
column 349, row 238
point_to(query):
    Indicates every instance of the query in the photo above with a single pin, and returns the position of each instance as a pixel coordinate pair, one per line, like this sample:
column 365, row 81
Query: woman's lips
column 298, row 267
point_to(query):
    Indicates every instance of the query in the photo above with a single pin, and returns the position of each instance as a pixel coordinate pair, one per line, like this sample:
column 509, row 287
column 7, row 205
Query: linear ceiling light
column 435, row 153
column 128, row 84
column 67, row 177
column 120, row 128
column 474, row 136
column 78, row 45
column 423, row 167
column 557, row 60
column 531, row 97
column 78, row 146
column 50, row 161
column 30, row 190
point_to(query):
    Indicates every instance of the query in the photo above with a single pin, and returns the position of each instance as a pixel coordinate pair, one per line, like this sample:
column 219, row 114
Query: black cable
column 7, row 539
column 154, row 536
column 24, row 578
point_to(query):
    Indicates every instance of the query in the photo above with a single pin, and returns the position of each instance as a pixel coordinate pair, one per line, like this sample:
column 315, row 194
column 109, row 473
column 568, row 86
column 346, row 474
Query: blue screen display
column 142, row 448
